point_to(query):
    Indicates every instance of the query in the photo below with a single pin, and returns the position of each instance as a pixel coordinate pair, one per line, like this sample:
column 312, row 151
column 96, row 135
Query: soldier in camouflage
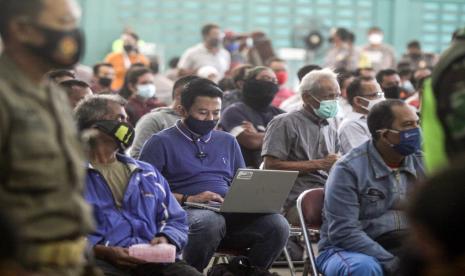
column 41, row 160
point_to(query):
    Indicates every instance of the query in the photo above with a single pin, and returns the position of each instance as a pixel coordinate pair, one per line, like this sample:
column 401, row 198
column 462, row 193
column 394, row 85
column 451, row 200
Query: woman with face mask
column 247, row 119
column 140, row 92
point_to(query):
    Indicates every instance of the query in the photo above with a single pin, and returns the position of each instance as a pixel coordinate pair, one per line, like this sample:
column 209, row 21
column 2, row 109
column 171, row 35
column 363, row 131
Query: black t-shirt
column 232, row 119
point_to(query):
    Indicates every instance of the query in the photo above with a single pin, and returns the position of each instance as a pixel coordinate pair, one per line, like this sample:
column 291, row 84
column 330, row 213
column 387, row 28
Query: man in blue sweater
column 132, row 202
column 199, row 163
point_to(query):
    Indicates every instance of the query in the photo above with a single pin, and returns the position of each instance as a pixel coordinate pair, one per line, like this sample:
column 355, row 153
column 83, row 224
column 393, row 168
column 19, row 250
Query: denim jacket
column 364, row 199
column 149, row 209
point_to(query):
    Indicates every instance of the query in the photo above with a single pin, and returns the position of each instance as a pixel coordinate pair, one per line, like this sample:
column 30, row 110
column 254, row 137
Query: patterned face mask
column 122, row 132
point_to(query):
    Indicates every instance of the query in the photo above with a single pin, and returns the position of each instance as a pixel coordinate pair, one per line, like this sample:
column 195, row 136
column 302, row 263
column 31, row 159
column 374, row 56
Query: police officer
column 41, row 162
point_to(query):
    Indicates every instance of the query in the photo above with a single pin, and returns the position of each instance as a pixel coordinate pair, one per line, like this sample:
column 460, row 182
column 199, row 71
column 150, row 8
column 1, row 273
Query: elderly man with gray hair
column 305, row 140
column 131, row 200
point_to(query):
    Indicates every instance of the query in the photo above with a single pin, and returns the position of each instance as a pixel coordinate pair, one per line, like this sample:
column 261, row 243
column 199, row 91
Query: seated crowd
column 186, row 155
column 153, row 145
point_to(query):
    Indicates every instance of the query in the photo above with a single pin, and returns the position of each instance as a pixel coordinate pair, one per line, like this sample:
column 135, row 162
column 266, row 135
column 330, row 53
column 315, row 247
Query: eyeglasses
column 375, row 95
column 327, row 98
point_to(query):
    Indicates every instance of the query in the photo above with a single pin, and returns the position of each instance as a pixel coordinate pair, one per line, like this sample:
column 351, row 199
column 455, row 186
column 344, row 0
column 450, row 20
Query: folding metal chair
column 293, row 232
column 309, row 208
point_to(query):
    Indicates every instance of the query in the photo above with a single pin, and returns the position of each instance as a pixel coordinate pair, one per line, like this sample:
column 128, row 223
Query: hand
column 159, row 240
column 205, row 197
column 328, row 162
column 117, row 256
column 248, row 126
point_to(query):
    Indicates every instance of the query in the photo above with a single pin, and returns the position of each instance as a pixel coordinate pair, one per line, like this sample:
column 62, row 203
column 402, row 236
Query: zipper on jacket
column 397, row 184
column 131, row 173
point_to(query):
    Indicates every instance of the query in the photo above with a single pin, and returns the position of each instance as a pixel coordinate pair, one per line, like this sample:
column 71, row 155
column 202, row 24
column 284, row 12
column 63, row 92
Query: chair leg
column 289, row 261
column 305, row 272
column 308, row 246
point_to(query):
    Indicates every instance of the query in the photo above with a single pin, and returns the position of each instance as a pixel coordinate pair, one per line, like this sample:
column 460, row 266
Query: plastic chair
column 309, row 208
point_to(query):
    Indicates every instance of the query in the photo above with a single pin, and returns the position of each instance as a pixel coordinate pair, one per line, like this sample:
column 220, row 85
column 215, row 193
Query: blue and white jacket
column 149, row 209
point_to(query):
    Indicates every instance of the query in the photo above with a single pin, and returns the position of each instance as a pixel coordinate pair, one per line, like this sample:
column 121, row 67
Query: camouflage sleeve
column 4, row 132
column 4, row 121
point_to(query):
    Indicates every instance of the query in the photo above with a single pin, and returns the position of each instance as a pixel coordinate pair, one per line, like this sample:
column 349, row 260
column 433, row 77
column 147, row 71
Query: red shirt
column 282, row 94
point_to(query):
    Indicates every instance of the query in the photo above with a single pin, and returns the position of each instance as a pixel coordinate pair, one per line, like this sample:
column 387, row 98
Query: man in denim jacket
column 363, row 217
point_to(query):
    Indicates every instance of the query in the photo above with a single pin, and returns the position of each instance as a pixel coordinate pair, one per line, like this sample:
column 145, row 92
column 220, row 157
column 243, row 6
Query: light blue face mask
column 146, row 91
column 328, row 108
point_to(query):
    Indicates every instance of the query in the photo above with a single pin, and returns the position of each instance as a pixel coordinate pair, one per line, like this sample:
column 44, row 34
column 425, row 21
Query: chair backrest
column 311, row 204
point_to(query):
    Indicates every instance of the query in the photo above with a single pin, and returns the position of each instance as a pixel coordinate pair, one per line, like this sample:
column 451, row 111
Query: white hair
column 311, row 82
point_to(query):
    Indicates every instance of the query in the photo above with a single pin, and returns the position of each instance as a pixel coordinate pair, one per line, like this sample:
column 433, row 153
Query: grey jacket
column 151, row 123
column 364, row 199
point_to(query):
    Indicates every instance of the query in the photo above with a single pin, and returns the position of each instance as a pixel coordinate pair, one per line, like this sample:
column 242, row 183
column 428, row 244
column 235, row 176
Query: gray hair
column 310, row 83
column 94, row 108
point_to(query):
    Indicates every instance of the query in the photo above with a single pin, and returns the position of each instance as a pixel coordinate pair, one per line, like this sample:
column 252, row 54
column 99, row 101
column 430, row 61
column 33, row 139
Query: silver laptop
column 254, row 191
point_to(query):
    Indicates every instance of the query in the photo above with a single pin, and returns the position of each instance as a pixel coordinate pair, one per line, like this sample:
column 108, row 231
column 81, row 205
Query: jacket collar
column 381, row 169
column 130, row 162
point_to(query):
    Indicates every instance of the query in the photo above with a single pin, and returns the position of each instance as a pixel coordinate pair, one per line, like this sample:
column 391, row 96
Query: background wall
column 175, row 25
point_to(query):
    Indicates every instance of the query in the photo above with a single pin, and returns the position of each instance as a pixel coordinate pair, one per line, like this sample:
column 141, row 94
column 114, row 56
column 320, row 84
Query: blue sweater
column 148, row 209
column 174, row 153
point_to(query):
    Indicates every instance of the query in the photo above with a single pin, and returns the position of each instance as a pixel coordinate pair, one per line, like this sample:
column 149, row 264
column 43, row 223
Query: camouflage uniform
column 41, row 170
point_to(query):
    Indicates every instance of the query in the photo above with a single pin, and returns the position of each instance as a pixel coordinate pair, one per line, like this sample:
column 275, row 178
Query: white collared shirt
column 353, row 131
column 199, row 56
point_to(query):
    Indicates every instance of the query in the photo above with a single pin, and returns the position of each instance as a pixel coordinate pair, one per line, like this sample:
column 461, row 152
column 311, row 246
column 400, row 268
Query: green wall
column 175, row 25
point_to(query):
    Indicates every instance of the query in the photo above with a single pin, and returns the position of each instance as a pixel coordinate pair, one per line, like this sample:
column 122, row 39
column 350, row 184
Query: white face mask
column 146, row 91
column 372, row 103
column 375, row 38
column 249, row 42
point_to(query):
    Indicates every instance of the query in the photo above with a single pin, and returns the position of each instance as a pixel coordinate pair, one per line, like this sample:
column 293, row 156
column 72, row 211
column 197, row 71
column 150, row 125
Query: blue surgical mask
column 146, row 91
column 200, row 126
column 328, row 108
column 410, row 141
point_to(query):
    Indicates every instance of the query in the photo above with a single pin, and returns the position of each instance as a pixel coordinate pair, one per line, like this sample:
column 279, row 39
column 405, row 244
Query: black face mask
column 105, row 82
column 392, row 92
column 199, row 126
column 259, row 94
column 122, row 132
column 62, row 49
column 128, row 48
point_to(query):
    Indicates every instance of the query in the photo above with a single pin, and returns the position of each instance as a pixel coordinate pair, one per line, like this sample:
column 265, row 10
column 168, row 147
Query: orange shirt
column 118, row 61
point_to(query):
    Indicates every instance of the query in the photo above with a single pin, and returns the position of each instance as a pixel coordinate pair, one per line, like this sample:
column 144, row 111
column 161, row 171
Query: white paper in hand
column 160, row 253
